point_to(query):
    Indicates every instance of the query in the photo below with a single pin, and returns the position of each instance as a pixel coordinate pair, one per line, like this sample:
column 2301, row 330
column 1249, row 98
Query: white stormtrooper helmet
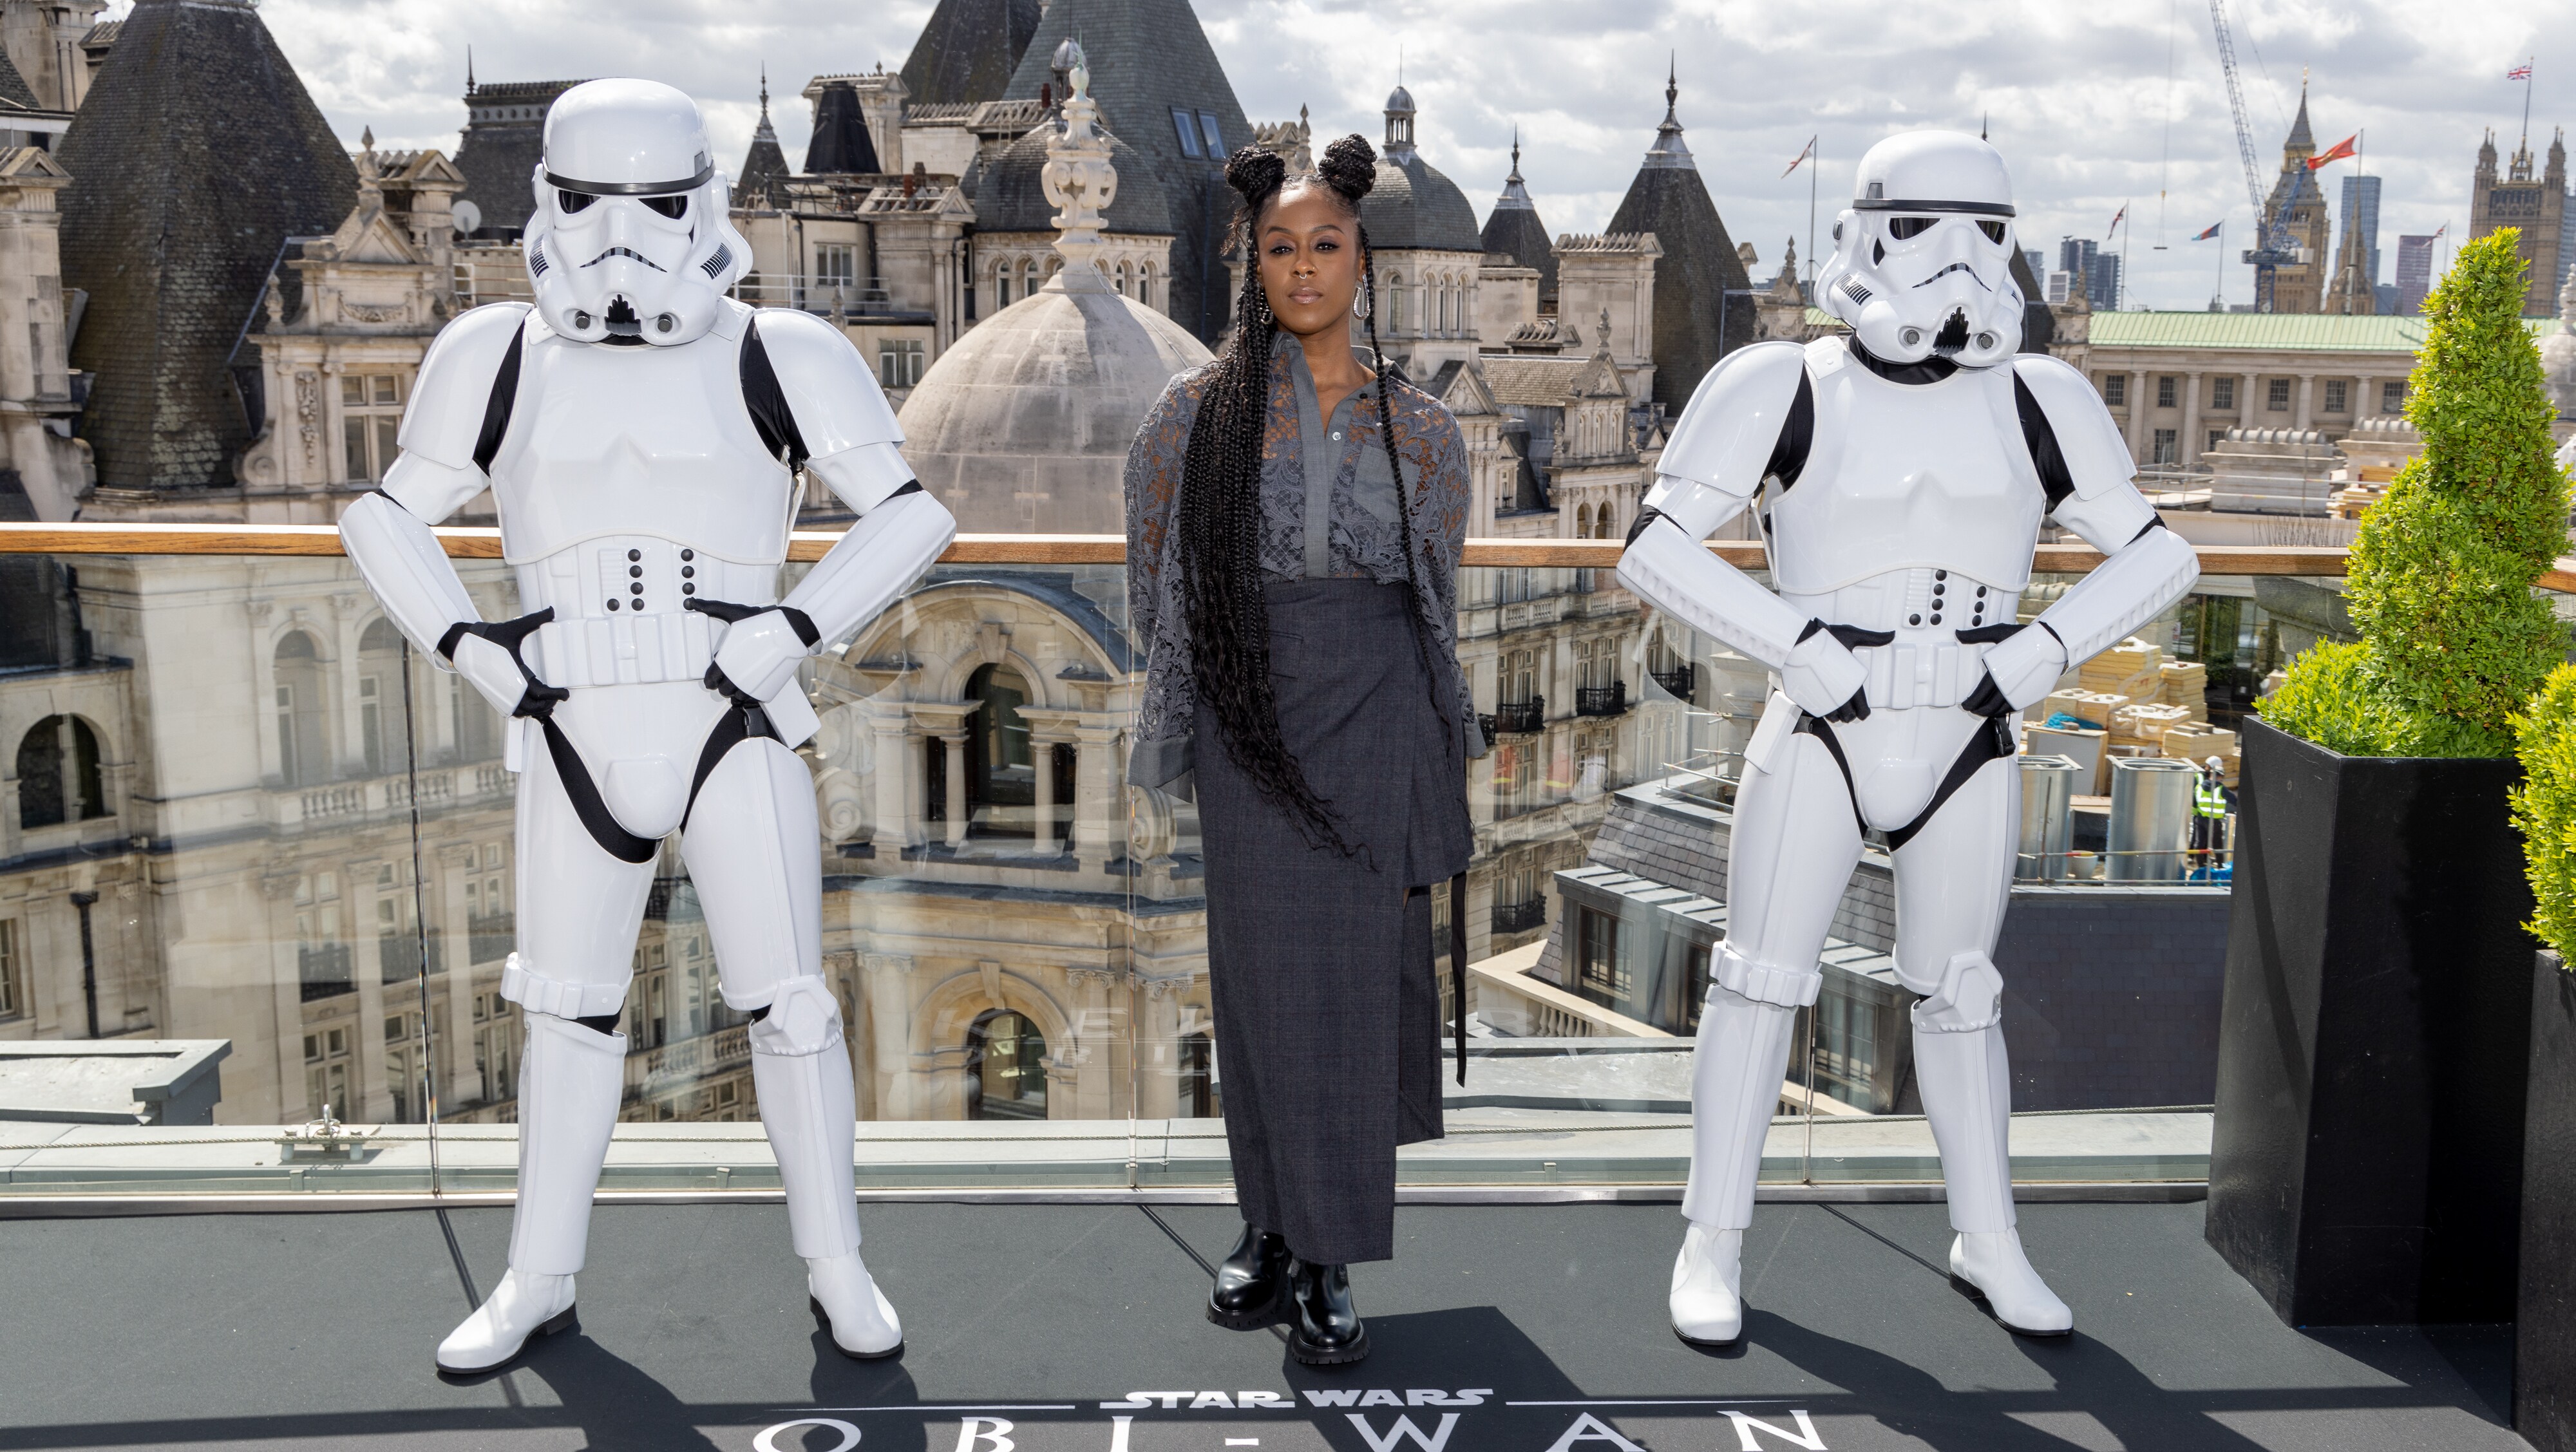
column 630, row 241
column 1922, row 263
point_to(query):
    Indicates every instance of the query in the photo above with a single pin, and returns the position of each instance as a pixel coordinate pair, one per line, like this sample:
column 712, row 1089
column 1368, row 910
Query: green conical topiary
column 2454, row 638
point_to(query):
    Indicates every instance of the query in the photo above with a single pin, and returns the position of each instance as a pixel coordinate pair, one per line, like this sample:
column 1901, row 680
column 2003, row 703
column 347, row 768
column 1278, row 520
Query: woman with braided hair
column 1295, row 511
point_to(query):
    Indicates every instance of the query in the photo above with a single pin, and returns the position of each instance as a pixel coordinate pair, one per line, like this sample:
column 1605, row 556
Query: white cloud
column 2078, row 96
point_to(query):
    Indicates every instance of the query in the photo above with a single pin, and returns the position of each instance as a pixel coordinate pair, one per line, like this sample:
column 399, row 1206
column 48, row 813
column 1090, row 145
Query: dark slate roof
column 194, row 158
column 1698, row 265
column 1009, row 191
column 505, row 137
column 840, row 142
column 764, row 166
column 14, row 90
column 1147, row 57
column 968, row 50
column 1414, row 206
column 1515, row 231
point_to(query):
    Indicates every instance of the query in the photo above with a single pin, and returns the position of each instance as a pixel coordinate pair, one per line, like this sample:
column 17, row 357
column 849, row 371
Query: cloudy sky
column 2095, row 105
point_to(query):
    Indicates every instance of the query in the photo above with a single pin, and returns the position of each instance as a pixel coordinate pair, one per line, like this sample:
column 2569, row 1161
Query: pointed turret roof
column 765, row 165
column 505, row 137
column 1152, row 69
column 968, row 50
column 1514, row 230
column 840, row 143
column 1698, row 266
column 195, row 157
column 2300, row 137
column 1668, row 150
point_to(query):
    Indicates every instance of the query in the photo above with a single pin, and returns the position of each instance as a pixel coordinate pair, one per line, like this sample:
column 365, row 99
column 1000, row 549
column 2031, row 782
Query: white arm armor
column 852, row 444
column 1710, row 470
column 2146, row 566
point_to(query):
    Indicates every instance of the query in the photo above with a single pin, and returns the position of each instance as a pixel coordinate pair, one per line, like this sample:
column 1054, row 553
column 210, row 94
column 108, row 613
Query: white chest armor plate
column 632, row 479
column 1906, row 477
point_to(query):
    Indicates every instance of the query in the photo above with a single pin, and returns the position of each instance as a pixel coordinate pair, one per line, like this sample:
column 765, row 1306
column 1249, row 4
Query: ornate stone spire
column 1669, row 150
column 1515, row 197
column 1080, row 180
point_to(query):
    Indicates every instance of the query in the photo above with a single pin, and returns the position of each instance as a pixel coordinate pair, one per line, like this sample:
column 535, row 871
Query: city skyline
column 2079, row 104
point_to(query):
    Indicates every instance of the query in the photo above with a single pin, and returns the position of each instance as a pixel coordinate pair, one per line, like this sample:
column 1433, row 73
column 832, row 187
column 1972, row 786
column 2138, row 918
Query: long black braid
column 1220, row 503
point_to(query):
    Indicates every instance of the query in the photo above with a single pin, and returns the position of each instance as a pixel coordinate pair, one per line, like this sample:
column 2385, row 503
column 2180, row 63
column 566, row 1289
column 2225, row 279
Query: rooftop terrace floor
column 316, row 1329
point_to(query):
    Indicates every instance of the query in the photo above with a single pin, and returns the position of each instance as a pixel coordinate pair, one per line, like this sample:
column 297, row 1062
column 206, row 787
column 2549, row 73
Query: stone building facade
column 2533, row 204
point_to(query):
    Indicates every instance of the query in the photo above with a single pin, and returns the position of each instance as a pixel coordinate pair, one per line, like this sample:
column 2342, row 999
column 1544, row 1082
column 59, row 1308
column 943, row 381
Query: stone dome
column 1414, row 206
column 1009, row 189
column 1023, row 426
column 2558, row 353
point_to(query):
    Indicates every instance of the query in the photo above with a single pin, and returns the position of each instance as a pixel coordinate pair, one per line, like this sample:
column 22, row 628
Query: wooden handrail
column 1074, row 549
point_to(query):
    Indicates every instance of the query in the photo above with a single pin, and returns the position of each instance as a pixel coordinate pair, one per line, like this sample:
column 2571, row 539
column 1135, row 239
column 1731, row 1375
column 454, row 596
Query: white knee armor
column 642, row 435
column 1901, row 474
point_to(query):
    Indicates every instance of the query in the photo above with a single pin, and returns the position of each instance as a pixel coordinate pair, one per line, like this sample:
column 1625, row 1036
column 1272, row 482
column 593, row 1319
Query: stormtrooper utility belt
column 748, row 719
column 1992, row 742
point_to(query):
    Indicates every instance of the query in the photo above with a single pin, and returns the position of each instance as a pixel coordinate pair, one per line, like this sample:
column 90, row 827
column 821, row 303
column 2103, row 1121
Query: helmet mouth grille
column 1953, row 337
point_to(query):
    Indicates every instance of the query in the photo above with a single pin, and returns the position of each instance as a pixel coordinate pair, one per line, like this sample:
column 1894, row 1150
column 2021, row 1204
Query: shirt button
column 1337, row 436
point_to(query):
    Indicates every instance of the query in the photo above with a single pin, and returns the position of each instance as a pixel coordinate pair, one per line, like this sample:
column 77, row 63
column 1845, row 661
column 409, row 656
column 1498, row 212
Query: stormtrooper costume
column 1900, row 475
column 642, row 434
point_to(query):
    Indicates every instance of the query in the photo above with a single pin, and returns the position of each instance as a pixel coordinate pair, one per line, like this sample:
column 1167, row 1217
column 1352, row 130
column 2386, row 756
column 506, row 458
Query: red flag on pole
column 2336, row 152
column 2116, row 218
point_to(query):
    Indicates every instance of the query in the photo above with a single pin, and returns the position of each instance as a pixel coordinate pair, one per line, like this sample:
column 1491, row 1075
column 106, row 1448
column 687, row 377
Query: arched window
column 380, row 695
column 1583, row 521
column 1394, row 302
column 1145, row 285
column 1123, row 277
column 1005, row 1068
column 1198, row 1077
column 301, row 756
column 58, row 777
column 1001, row 287
column 1001, row 769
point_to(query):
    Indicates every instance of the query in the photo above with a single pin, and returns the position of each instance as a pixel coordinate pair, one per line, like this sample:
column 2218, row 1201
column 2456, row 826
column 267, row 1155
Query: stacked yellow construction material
column 2145, row 725
column 2196, row 742
column 2129, row 669
column 2186, row 684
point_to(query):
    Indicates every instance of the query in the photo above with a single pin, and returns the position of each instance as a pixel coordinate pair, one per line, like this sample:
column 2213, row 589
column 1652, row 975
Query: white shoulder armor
column 454, row 389
column 1733, row 421
column 835, row 399
column 2097, row 458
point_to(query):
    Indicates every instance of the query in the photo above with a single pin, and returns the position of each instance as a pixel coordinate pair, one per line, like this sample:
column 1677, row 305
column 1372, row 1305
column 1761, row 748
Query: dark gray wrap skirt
column 1320, row 964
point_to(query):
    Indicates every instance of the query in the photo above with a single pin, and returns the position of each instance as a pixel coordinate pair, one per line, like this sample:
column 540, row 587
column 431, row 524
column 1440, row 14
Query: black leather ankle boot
column 1323, row 1326
column 1251, row 1281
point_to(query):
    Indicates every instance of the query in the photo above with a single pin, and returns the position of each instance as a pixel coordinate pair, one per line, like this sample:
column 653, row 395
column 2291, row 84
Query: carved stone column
column 1158, row 1047
column 2189, row 453
column 956, row 803
column 888, row 980
column 2307, row 399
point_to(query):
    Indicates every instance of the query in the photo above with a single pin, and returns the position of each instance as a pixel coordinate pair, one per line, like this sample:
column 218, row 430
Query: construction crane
column 2274, row 250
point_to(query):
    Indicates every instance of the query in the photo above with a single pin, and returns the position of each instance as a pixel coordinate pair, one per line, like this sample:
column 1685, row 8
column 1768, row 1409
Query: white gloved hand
column 760, row 654
column 493, row 672
column 1822, row 675
column 2025, row 667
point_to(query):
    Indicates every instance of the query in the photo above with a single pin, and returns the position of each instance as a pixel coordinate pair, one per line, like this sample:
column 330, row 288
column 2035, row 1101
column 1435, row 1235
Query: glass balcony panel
column 1017, row 937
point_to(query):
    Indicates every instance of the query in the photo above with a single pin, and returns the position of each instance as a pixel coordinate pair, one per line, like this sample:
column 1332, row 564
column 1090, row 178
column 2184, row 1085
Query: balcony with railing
column 1609, row 700
column 1082, row 974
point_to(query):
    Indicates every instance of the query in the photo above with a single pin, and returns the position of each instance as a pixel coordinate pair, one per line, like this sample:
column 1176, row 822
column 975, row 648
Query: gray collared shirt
column 1325, row 448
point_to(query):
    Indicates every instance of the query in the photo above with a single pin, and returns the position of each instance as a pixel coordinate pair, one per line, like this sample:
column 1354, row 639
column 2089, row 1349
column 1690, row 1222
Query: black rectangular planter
column 2544, row 1332
column 2366, row 1165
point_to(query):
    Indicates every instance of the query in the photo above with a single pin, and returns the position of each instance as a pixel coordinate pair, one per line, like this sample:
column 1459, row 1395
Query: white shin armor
column 570, row 1081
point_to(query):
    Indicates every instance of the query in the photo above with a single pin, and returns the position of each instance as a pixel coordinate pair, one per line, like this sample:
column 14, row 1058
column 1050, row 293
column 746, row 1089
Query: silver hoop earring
column 1360, row 304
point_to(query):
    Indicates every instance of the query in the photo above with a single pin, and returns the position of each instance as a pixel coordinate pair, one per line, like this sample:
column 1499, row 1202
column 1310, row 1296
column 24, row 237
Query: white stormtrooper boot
column 809, row 1110
column 1707, row 1301
column 1736, row 1073
column 570, row 1081
column 1966, row 1081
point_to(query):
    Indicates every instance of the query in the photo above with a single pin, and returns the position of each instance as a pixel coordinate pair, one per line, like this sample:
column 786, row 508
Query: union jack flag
column 2519, row 73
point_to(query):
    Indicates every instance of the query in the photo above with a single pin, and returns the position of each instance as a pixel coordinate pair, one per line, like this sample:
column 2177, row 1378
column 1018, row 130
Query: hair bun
column 1255, row 172
column 1350, row 166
